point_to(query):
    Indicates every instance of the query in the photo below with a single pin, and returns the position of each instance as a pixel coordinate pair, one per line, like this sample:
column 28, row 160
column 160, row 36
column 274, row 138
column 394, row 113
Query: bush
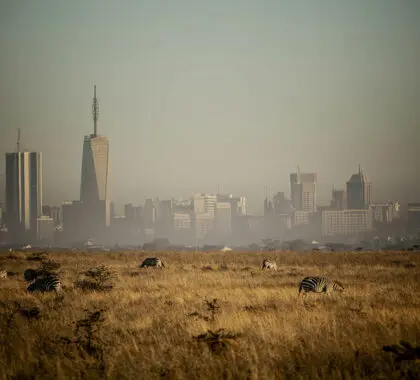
column 100, row 278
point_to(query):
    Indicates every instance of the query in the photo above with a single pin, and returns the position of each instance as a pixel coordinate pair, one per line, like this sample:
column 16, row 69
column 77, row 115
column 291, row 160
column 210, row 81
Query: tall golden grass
column 149, row 325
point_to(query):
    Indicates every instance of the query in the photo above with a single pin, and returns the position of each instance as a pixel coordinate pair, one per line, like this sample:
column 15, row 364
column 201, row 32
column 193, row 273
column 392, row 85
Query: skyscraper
column 359, row 191
column 23, row 194
column 95, row 162
column 303, row 191
column 94, row 183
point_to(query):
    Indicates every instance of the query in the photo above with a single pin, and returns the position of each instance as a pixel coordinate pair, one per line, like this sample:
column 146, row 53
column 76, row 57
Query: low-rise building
column 413, row 217
column 45, row 229
column 345, row 222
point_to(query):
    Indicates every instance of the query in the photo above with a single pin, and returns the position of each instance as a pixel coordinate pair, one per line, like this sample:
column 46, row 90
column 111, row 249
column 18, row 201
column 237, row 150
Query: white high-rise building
column 23, row 194
column 204, row 203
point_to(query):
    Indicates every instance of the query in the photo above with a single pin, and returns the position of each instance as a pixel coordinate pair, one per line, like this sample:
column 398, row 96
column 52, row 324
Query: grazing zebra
column 45, row 284
column 3, row 274
column 152, row 262
column 267, row 264
column 32, row 274
column 319, row 285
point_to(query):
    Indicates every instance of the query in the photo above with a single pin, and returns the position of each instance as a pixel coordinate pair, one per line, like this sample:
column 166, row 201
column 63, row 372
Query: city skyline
column 190, row 107
column 95, row 172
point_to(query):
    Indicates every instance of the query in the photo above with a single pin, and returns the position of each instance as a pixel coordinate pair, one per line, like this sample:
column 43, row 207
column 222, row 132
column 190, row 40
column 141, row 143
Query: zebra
column 152, row 262
column 3, row 274
column 320, row 285
column 32, row 274
column 267, row 264
column 45, row 284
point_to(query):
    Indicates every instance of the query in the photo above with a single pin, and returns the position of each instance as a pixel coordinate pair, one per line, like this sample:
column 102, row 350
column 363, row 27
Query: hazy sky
column 199, row 94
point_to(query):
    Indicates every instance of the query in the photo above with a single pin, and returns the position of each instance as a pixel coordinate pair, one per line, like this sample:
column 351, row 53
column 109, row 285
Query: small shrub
column 100, row 278
column 49, row 266
column 87, row 341
column 213, row 308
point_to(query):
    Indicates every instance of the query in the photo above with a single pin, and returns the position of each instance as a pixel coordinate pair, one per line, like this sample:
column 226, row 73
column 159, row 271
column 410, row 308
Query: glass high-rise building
column 94, row 180
column 23, row 195
column 95, row 169
column 359, row 191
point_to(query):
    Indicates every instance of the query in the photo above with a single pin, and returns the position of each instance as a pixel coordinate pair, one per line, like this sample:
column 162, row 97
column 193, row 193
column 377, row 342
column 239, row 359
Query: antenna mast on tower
column 18, row 140
column 95, row 112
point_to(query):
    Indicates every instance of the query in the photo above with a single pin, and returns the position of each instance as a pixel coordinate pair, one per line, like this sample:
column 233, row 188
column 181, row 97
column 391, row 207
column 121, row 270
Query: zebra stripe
column 319, row 285
column 267, row 264
column 3, row 274
column 152, row 262
column 45, row 284
column 32, row 274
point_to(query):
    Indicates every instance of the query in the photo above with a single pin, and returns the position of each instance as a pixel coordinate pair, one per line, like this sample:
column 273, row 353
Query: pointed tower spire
column 359, row 169
column 95, row 112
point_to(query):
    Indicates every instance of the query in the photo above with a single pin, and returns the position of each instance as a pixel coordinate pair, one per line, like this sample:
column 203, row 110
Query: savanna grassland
column 212, row 316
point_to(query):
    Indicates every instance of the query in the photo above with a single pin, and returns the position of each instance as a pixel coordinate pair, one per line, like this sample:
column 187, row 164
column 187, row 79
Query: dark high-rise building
column 359, row 191
column 281, row 204
column 23, row 195
column 164, row 218
column 339, row 199
column 133, row 215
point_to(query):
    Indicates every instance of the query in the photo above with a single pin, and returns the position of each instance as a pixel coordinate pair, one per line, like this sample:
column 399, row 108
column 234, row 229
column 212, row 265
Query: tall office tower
column 149, row 213
column 95, row 162
column 359, row 191
column 164, row 218
column 23, row 194
column 303, row 191
column 94, row 182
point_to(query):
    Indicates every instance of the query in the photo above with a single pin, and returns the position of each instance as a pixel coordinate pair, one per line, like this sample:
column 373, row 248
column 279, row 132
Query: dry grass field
column 213, row 316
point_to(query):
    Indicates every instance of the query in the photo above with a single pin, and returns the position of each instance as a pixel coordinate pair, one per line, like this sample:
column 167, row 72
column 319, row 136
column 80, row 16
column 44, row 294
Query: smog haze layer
column 199, row 95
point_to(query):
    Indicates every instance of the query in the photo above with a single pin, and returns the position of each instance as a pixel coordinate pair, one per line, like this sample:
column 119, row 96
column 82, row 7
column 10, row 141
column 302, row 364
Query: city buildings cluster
column 201, row 219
